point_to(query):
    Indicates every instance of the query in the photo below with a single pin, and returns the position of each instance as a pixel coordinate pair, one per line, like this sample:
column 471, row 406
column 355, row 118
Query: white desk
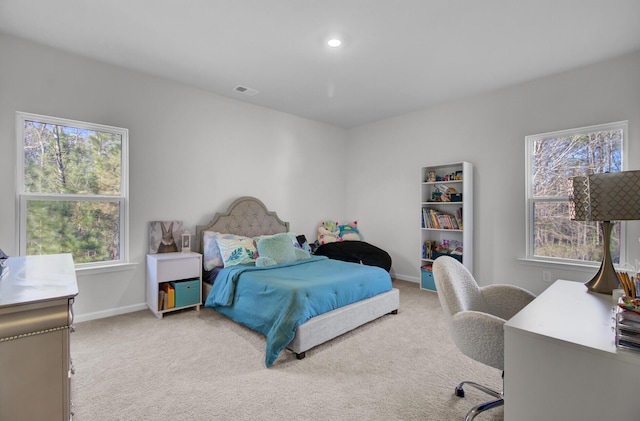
column 561, row 361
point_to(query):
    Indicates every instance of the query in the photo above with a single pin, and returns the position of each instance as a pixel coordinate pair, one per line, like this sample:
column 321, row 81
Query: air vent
column 245, row 90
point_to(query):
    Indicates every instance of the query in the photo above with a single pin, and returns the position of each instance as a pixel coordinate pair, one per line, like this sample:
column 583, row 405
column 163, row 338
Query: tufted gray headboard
column 246, row 216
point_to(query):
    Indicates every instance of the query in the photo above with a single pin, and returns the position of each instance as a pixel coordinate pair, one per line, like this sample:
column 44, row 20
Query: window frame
column 22, row 196
column 530, row 201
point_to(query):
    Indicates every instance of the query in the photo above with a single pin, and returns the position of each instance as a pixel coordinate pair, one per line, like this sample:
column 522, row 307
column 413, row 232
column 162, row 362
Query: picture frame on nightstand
column 164, row 236
column 186, row 242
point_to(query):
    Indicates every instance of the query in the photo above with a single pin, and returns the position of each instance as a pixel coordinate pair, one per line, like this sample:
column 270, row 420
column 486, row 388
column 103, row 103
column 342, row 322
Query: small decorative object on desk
column 627, row 284
column 4, row 269
column 630, row 304
column 628, row 324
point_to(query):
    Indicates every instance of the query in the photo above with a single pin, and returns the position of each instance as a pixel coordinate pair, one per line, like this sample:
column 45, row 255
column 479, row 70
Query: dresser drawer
column 34, row 317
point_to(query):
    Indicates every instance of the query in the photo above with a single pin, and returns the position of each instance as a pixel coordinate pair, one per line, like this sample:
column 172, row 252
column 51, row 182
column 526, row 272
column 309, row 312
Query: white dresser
column 561, row 361
column 36, row 298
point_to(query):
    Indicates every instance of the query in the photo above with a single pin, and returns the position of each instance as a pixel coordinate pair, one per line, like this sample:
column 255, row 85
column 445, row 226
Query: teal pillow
column 278, row 249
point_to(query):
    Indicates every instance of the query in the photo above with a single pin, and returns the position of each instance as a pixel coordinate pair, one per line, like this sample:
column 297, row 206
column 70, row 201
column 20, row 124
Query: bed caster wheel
column 459, row 392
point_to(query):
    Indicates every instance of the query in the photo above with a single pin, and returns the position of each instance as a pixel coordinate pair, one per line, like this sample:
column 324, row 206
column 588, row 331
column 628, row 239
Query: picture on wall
column 165, row 236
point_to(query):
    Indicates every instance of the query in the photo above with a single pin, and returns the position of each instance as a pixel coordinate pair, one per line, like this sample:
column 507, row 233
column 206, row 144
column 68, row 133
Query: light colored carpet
column 202, row 366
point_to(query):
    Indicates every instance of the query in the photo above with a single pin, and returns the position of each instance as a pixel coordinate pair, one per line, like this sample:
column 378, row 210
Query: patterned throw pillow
column 237, row 251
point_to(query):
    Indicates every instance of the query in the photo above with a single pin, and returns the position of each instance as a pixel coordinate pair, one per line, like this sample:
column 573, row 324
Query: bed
column 339, row 312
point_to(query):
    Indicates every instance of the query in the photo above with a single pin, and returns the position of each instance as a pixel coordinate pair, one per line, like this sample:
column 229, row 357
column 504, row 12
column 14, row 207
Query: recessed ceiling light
column 334, row 42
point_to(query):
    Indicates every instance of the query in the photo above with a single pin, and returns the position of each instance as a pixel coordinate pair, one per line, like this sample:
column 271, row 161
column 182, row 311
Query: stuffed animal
column 349, row 232
column 328, row 232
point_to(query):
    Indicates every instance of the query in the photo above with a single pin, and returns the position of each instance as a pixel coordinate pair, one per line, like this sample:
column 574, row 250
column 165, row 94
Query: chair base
column 499, row 401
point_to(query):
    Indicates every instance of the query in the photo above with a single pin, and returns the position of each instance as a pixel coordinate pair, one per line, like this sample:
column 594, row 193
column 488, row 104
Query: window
column 552, row 159
column 72, row 189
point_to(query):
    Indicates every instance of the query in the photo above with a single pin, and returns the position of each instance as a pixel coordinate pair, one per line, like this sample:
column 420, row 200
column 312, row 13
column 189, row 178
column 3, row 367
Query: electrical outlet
column 546, row 276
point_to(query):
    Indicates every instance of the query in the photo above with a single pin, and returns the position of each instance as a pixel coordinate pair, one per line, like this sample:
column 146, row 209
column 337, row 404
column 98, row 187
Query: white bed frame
column 248, row 216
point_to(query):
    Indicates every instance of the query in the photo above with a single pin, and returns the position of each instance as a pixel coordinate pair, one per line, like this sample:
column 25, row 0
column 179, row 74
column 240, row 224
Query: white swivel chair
column 476, row 316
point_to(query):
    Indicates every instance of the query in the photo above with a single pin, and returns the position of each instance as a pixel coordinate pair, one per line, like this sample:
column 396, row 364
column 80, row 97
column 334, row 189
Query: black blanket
column 356, row 252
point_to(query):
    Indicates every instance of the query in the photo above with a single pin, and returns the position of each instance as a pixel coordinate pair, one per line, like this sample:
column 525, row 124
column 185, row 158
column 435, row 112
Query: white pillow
column 212, row 257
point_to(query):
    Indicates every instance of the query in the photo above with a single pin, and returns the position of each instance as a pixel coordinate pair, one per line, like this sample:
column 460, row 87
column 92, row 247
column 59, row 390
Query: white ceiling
column 398, row 55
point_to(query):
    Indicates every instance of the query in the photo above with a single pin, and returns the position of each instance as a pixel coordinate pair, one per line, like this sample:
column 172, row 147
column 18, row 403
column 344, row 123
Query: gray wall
column 193, row 152
column 488, row 131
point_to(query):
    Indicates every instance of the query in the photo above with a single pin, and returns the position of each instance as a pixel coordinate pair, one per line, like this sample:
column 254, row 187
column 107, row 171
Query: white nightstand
column 182, row 270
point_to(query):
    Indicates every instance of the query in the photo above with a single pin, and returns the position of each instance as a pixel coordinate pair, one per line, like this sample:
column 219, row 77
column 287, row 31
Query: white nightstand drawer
column 173, row 269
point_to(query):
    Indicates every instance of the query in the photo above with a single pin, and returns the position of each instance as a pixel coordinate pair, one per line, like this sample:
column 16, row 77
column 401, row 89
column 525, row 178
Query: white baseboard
column 406, row 278
column 108, row 313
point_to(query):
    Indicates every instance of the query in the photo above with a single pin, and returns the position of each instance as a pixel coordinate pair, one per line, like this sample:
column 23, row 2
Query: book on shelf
column 458, row 215
column 433, row 218
column 171, row 295
column 431, row 250
column 162, row 300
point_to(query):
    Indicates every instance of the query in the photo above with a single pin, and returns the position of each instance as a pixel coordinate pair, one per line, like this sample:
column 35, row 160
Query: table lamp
column 604, row 198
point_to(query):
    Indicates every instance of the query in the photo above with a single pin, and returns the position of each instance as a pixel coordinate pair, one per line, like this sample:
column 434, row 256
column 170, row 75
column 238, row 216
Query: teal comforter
column 275, row 300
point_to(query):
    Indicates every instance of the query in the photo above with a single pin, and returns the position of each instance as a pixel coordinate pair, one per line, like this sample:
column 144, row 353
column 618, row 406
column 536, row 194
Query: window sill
column 96, row 270
column 581, row 267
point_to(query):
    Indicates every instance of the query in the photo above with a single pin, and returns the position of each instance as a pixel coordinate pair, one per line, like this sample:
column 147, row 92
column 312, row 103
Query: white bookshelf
column 458, row 176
